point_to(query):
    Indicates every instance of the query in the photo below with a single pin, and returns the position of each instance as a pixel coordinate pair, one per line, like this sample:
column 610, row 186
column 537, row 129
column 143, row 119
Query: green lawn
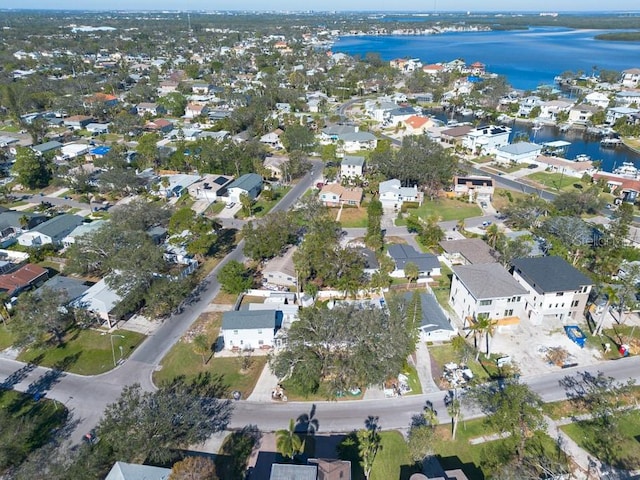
column 26, row 425
column 392, row 460
column 556, row 181
column 6, row 338
column 183, row 360
column 85, row 352
column 443, row 354
column 9, row 128
column 215, row 208
column 351, row 217
column 262, row 207
column 447, row 209
column 624, row 453
column 414, row 380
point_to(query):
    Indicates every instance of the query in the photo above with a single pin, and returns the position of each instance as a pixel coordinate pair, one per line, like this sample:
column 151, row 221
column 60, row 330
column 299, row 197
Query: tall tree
column 194, row 468
column 234, row 277
column 374, row 238
column 369, row 443
column 32, row 171
column 514, row 409
column 411, row 272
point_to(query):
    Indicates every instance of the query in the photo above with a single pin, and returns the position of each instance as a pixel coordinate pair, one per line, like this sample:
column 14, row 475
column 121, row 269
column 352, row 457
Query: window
column 508, row 313
column 235, row 332
column 259, row 332
column 484, row 303
column 559, row 294
column 260, row 342
column 575, row 303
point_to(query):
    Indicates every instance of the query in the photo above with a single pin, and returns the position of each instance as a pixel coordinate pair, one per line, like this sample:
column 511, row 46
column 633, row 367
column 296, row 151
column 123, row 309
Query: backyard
column 85, row 352
column 351, row 217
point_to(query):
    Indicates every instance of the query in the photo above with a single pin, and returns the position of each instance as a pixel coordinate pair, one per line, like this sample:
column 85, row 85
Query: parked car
column 231, row 205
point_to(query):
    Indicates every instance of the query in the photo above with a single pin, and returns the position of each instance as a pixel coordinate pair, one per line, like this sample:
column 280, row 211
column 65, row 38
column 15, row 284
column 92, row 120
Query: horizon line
column 253, row 10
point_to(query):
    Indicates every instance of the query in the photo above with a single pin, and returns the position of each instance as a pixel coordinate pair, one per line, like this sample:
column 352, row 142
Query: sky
column 328, row 5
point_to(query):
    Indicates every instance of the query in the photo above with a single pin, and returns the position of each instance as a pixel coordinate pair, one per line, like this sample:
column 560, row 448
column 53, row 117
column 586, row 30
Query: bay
column 528, row 58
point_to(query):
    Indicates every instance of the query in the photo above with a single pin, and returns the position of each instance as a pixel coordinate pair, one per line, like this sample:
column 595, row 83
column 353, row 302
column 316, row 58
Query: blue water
column 528, row 58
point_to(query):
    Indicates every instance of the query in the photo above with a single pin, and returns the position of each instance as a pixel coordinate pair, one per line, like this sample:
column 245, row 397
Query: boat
column 583, row 157
column 610, row 142
column 466, row 112
column 628, row 169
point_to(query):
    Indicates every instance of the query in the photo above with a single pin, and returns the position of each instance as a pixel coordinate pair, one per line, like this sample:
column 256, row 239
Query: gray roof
column 248, row 320
column 433, row 318
column 11, row 218
column 403, row 254
column 357, row 137
column 57, row 225
column 550, row 274
column 99, row 298
column 134, row 471
column 246, row 182
column 280, row 471
column 353, row 160
column 47, row 146
column 72, row 288
column 520, row 148
column 488, row 280
column 338, row 129
column 474, row 250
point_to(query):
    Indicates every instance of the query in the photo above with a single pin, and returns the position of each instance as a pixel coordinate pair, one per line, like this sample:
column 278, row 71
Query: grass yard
column 351, row 217
column 85, row 352
column 214, row 209
column 509, row 167
column 262, row 207
column 414, row 380
column 556, row 181
column 183, row 360
column 623, row 453
column 504, row 197
column 447, row 209
column 6, row 337
column 27, row 425
column 443, row 354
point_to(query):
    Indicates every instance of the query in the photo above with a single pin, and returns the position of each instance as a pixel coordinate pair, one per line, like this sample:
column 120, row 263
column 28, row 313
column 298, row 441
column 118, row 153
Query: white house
column 486, row 290
column 521, row 152
column 352, row 166
column 597, row 99
column 393, row 194
column 626, row 98
column 527, row 104
column 152, row 109
column 631, row 78
column 582, row 113
column 434, row 324
column 616, row 113
column 280, row 270
column 52, row 231
column 356, row 141
column 73, row 150
column 246, row 330
column 249, row 183
column 209, row 187
column 487, row 139
column 272, row 139
column 81, row 230
column 556, row 291
column 428, row 264
column 550, row 110
column 100, row 299
column 176, row 185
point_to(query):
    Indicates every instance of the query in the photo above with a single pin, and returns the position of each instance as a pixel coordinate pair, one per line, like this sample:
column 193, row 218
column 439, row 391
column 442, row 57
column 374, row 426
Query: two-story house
column 487, row 139
column 520, row 152
column 246, row 329
column 631, row 78
column 477, row 187
column 486, row 290
column 393, row 194
column 352, row 166
column 556, row 291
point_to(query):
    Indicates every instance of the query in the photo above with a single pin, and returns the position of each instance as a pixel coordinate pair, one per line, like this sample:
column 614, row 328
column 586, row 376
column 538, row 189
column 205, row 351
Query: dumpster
column 576, row 335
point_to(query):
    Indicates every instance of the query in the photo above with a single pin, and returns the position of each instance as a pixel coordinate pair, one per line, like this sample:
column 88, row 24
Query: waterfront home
column 399, row 115
column 477, row 187
column 550, row 110
column 433, row 69
column 626, row 98
column 455, row 136
column 616, row 113
column 569, row 168
column 485, row 140
column 582, row 113
column 631, row 78
column 352, row 166
column 597, row 99
column 334, row 195
column 472, row 297
column 527, row 104
column 378, row 109
column 393, row 194
column 556, row 291
column 521, row 152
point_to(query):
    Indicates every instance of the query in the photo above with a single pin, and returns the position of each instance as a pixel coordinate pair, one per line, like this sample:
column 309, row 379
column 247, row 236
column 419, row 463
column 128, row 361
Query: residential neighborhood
column 231, row 249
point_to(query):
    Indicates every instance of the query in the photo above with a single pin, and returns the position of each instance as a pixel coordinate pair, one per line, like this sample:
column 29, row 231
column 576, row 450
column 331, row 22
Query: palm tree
column 483, row 325
column 493, row 235
column 454, row 409
column 411, row 272
column 288, row 442
column 368, row 446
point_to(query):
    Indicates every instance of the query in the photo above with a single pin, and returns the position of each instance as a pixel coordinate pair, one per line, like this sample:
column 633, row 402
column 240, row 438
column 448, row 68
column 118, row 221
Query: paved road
column 88, row 396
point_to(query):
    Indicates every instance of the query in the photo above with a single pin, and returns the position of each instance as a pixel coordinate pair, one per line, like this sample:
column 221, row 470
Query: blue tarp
column 101, row 150
column 576, row 335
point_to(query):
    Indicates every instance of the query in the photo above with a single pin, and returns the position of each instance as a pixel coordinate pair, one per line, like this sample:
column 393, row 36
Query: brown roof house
column 334, row 195
column 22, row 279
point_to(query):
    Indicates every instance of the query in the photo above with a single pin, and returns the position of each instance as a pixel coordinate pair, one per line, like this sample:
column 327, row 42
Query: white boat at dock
column 611, row 142
column 628, row 169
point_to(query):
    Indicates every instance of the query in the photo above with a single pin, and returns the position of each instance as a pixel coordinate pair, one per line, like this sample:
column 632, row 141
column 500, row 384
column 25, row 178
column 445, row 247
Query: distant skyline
column 330, row 5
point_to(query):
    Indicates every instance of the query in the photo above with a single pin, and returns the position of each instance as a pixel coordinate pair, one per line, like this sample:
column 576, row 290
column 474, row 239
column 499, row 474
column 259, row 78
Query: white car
column 231, row 205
